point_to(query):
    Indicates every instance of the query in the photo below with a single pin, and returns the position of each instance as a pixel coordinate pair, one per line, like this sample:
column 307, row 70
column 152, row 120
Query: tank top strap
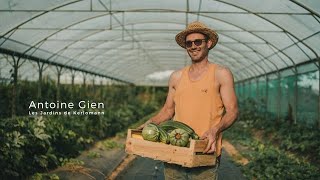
column 185, row 72
column 184, row 79
column 212, row 72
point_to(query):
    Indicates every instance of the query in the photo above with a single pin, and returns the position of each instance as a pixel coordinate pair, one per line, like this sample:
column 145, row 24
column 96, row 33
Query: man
column 201, row 95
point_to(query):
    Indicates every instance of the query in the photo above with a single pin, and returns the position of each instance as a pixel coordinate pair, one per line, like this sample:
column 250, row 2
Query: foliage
column 44, row 176
column 110, row 144
column 267, row 162
column 38, row 144
column 281, row 149
column 296, row 138
column 93, row 155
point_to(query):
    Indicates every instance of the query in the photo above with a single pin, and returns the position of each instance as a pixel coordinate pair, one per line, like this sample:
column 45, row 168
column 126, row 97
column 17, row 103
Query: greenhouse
column 77, row 75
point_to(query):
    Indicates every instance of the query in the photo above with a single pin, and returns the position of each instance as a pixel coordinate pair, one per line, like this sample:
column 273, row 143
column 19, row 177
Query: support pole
column 257, row 88
column 15, row 86
column 40, row 70
column 267, row 96
column 295, row 101
column 93, row 85
column 84, row 79
column 73, row 74
column 279, row 97
column 59, row 72
column 242, row 89
column 101, row 89
column 319, row 95
column 250, row 92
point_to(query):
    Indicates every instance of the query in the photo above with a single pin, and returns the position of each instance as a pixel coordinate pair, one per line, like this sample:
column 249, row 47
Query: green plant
column 36, row 144
column 266, row 159
column 44, row 176
column 93, row 154
column 111, row 144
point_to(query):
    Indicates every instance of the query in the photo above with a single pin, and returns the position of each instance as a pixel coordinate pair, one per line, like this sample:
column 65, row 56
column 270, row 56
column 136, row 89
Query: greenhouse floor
column 148, row 169
column 97, row 163
column 114, row 163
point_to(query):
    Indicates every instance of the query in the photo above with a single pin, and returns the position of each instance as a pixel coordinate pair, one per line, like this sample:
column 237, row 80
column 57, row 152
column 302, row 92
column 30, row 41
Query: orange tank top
column 198, row 104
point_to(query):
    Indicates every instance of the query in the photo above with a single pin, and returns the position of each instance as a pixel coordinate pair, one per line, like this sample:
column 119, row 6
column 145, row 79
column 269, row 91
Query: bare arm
column 167, row 111
column 229, row 99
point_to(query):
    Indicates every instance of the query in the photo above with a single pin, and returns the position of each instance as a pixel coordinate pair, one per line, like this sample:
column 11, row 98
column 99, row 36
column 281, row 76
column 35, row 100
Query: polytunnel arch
column 284, row 30
column 289, row 57
column 71, row 25
column 113, row 49
column 119, row 25
column 122, row 52
column 256, row 40
column 138, row 10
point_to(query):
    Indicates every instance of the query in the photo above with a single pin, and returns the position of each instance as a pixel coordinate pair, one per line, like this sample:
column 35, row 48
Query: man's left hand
column 211, row 136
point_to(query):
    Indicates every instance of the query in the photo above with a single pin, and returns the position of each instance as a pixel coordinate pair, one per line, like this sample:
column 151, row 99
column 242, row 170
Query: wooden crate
column 186, row 156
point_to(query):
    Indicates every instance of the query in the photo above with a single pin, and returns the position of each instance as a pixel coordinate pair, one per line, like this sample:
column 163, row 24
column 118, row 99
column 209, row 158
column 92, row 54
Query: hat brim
column 212, row 35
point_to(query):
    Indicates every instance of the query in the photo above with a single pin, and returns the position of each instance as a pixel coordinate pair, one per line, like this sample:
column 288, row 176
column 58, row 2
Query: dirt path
column 148, row 169
column 97, row 163
column 233, row 152
column 122, row 166
column 107, row 160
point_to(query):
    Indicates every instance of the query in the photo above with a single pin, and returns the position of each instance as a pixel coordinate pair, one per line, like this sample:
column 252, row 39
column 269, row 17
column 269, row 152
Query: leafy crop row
column 280, row 150
column 37, row 144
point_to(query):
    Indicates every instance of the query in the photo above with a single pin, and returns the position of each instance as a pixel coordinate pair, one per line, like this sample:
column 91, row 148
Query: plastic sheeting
column 130, row 40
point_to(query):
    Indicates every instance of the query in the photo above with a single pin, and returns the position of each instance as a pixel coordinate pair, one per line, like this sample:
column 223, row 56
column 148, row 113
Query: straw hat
column 197, row 27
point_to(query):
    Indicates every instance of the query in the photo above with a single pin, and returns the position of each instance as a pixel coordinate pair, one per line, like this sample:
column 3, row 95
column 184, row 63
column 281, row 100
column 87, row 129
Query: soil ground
column 102, row 163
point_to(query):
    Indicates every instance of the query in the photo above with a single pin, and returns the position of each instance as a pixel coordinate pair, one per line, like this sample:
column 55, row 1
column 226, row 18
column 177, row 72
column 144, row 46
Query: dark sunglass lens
column 188, row 43
column 198, row 42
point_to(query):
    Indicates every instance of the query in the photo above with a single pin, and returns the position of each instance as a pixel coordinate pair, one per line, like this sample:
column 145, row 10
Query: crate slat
column 188, row 157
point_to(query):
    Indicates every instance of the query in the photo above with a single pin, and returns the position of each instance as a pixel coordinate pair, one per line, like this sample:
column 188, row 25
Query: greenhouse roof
column 133, row 40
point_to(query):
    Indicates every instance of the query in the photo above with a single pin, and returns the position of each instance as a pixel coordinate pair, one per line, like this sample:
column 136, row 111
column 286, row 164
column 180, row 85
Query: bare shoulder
column 176, row 74
column 223, row 73
column 175, row 78
column 222, row 69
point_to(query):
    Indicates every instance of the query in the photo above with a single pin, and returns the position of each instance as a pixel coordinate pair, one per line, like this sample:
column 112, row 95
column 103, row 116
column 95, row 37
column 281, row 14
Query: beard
column 198, row 55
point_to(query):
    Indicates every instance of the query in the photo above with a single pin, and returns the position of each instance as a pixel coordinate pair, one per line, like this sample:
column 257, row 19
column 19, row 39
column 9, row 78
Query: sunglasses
column 196, row 42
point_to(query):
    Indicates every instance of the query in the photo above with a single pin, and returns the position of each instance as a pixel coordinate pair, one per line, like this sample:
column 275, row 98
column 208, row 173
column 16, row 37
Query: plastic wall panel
column 314, row 5
column 100, row 22
column 253, row 22
column 59, row 19
column 287, row 98
column 142, row 4
column 314, row 43
column 212, row 6
column 69, row 34
column 308, row 96
column 267, row 6
column 278, row 39
column 301, row 26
